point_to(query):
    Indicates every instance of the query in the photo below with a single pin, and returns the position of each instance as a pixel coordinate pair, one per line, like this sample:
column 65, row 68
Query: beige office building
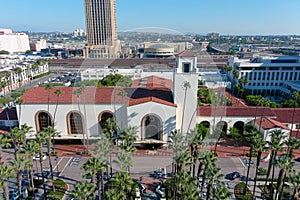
column 101, row 29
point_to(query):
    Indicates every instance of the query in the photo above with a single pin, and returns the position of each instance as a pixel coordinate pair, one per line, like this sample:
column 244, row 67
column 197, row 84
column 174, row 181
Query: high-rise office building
column 101, row 29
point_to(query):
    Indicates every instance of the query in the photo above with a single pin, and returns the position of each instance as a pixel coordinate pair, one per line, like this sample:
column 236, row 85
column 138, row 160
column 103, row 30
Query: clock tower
column 185, row 87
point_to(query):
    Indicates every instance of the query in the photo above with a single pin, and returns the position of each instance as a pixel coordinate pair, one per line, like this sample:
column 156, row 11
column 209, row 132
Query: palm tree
column 124, row 160
column 213, row 175
column 95, row 167
column 122, row 93
column 82, row 88
column 128, row 137
column 57, row 93
column 78, row 92
column 186, row 85
column 285, row 164
column 4, row 142
column 259, row 146
column 40, row 139
column 48, row 87
column 294, row 178
column 49, row 133
column 84, row 191
column 18, row 138
column 5, row 174
column 292, row 144
column 115, row 193
column 208, row 162
column 30, row 149
column 18, row 164
column 186, row 186
column 123, row 183
column 195, row 139
column 220, row 192
column 275, row 145
column 19, row 101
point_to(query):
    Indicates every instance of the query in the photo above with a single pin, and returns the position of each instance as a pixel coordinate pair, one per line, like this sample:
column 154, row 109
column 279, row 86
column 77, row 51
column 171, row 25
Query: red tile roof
column 151, row 82
column 287, row 115
column 96, row 95
column 185, row 53
column 268, row 123
column 235, row 111
column 134, row 102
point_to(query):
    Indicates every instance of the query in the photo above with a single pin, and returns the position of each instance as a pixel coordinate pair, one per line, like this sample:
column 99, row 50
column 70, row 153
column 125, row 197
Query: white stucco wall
column 166, row 113
column 29, row 111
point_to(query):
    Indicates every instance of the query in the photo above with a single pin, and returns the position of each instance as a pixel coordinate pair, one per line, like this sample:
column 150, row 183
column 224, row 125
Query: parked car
column 297, row 159
column 13, row 194
column 37, row 157
column 233, row 175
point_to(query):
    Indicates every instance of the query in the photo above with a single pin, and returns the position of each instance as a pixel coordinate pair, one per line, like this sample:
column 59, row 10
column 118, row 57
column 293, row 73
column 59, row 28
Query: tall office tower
column 101, row 29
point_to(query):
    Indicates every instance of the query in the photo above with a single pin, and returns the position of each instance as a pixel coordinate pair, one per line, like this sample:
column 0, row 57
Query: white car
column 37, row 157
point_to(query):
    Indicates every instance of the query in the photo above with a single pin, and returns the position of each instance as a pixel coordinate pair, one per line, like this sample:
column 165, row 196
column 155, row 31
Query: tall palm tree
column 83, row 88
column 84, row 191
column 95, row 167
column 30, row 149
column 48, row 87
column 186, row 86
column 40, row 139
column 285, row 164
column 19, row 163
column 78, row 93
column 294, row 178
column 57, row 93
column 186, row 186
column 275, row 145
column 5, row 174
column 124, row 160
column 123, row 183
column 259, row 146
column 195, row 139
column 213, row 175
column 209, row 162
column 123, row 94
column 17, row 138
column 4, row 142
column 49, row 133
column 128, row 137
column 292, row 144
column 220, row 192
column 19, row 101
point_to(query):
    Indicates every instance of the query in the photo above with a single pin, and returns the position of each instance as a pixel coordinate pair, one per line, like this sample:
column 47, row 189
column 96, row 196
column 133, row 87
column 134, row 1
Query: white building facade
column 267, row 75
column 13, row 42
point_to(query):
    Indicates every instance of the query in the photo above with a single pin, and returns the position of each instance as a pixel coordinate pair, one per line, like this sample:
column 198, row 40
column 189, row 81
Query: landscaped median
column 60, row 190
column 242, row 192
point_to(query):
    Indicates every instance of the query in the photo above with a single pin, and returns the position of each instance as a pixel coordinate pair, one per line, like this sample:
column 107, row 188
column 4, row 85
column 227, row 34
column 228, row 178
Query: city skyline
column 255, row 17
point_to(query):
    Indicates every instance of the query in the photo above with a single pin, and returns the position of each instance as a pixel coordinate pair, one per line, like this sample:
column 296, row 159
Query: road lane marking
column 65, row 166
column 57, row 163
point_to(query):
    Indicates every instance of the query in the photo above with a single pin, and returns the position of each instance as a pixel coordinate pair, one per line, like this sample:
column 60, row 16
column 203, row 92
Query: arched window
column 103, row 116
column 152, row 127
column 43, row 120
column 75, row 124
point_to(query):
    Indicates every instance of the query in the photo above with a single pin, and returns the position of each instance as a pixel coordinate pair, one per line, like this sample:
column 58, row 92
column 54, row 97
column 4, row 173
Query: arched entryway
column 222, row 125
column 152, row 127
column 75, row 123
column 206, row 124
column 43, row 119
column 240, row 126
column 103, row 117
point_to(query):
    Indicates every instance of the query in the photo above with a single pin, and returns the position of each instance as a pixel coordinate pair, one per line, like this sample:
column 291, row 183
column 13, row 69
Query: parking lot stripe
column 65, row 166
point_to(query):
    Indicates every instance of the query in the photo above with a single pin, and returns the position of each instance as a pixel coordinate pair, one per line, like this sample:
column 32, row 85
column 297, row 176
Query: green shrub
column 242, row 192
column 262, row 171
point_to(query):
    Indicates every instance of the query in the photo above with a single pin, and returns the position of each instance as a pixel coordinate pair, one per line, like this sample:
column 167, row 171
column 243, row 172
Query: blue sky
column 251, row 17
